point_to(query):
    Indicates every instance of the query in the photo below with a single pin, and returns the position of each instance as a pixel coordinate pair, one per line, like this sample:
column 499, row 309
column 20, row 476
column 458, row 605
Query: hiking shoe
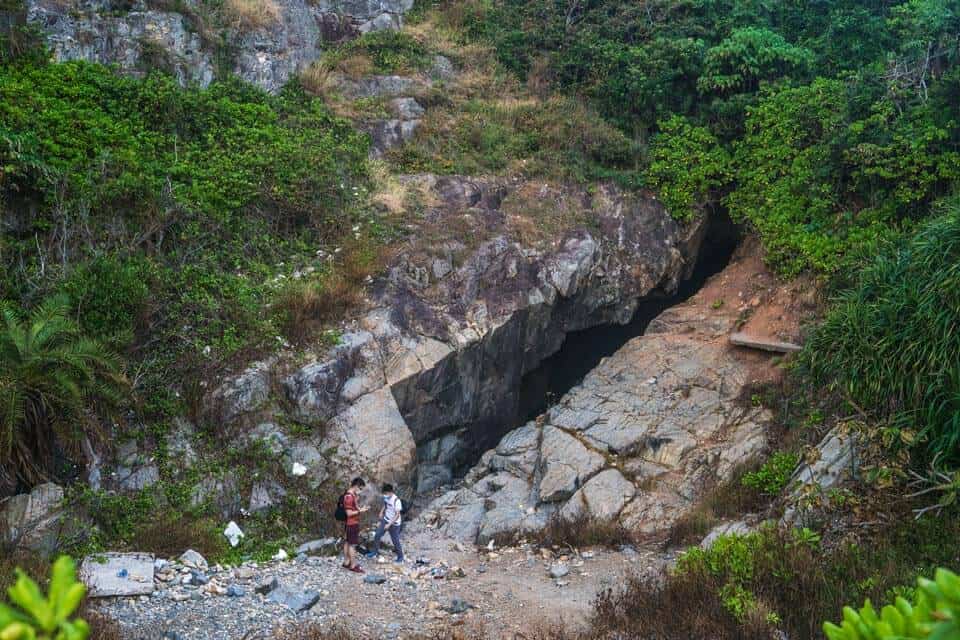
column 398, row 561
column 357, row 569
column 371, row 554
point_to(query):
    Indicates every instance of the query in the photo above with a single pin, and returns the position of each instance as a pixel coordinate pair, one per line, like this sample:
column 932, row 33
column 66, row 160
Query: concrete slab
column 117, row 574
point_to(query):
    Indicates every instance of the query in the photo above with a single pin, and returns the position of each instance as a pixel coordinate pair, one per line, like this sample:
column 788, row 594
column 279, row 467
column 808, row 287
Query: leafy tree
column 641, row 83
column 749, row 56
column 927, row 33
column 788, row 172
column 51, row 378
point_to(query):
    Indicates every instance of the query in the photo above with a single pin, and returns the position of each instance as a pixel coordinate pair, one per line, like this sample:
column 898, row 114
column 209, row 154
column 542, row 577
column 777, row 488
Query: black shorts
column 353, row 533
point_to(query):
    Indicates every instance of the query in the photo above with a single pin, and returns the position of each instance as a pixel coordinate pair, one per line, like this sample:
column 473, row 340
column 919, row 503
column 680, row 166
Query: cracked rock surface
column 638, row 440
column 266, row 54
column 430, row 373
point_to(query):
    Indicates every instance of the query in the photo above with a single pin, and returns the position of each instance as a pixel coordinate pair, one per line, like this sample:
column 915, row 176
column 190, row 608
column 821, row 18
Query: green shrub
column 687, row 167
column 391, row 52
column 169, row 212
column 832, row 152
column 109, row 292
column 774, row 474
column 890, row 341
column 935, row 613
column 748, row 56
column 37, row 617
column 556, row 138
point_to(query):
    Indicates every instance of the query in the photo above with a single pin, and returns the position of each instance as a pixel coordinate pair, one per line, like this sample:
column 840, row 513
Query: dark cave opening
column 583, row 350
column 579, row 353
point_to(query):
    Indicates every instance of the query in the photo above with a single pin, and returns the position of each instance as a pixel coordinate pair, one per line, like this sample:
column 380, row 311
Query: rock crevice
column 431, row 375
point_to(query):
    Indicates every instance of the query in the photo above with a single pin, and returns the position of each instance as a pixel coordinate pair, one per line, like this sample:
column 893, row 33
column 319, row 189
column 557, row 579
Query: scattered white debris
column 298, row 469
column 280, row 555
column 233, row 533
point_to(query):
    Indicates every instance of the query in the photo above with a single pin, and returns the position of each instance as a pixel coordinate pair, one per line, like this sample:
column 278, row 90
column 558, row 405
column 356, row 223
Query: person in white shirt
column 391, row 521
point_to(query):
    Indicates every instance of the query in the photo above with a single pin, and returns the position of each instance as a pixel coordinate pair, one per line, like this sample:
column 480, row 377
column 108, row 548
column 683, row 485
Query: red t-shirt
column 350, row 504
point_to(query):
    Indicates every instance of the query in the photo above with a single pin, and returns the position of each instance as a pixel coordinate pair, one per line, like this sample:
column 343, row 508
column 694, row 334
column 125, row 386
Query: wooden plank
column 741, row 339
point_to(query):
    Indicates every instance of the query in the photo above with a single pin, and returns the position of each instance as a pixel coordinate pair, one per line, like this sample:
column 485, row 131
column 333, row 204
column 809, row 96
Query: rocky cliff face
column 267, row 48
column 430, row 375
column 638, row 441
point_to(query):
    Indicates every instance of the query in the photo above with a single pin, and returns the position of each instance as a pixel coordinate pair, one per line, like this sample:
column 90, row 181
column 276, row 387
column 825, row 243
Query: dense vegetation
column 826, row 125
column 51, row 377
column 747, row 586
column 890, row 341
column 169, row 216
column 145, row 228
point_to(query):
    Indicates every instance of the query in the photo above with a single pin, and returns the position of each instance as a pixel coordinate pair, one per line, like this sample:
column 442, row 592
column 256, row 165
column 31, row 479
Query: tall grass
column 891, row 342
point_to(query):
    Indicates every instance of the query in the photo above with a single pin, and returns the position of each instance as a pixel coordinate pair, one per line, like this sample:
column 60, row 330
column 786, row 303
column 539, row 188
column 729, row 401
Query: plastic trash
column 233, row 533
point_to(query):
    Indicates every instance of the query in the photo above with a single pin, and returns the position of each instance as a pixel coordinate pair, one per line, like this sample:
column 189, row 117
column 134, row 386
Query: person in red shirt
column 352, row 506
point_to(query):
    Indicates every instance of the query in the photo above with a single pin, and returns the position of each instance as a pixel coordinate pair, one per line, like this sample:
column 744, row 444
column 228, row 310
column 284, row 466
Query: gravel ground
column 502, row 591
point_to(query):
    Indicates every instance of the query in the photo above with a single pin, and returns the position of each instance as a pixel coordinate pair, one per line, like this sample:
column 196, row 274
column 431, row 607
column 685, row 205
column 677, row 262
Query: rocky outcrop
column 34, row 520
column 430, row 375
column 197, row 45
column 637, row 441
column 830, row 463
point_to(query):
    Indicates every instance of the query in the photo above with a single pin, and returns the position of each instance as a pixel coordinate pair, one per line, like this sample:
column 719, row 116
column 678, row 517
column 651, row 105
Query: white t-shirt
column 392, row 508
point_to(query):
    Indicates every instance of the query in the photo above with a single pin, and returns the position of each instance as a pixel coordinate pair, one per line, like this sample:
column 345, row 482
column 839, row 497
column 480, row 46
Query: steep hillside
column 487, row 251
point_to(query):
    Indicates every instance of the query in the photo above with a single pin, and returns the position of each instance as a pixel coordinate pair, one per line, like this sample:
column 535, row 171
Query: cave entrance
column 583, row 350
column 448, row 457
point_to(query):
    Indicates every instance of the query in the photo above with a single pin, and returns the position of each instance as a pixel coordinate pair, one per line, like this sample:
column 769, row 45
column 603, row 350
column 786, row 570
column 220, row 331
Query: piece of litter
column 298, row 469
column 233, row 533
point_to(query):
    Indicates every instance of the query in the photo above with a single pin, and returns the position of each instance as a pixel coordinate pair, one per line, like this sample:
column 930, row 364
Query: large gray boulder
column 371, row 435
column 602, row 498
column 565, row 462
column 827, row 465
column 429, row 372
column 33, row 520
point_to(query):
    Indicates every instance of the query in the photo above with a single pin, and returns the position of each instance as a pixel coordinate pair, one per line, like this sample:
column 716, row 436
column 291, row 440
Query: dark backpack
column 404, row 506
column 340, row 515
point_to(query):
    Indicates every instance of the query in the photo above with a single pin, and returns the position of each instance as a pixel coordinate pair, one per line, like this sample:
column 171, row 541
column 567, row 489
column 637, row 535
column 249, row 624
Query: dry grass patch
column 538, row 212
column 318, row 80
column 307, row 305
column 251, row 15
column 33, row 564
column 583, row 531
column 396, row 195
column 171, row 534
column 728, row 499
column 102, row 627
column 355, row 66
